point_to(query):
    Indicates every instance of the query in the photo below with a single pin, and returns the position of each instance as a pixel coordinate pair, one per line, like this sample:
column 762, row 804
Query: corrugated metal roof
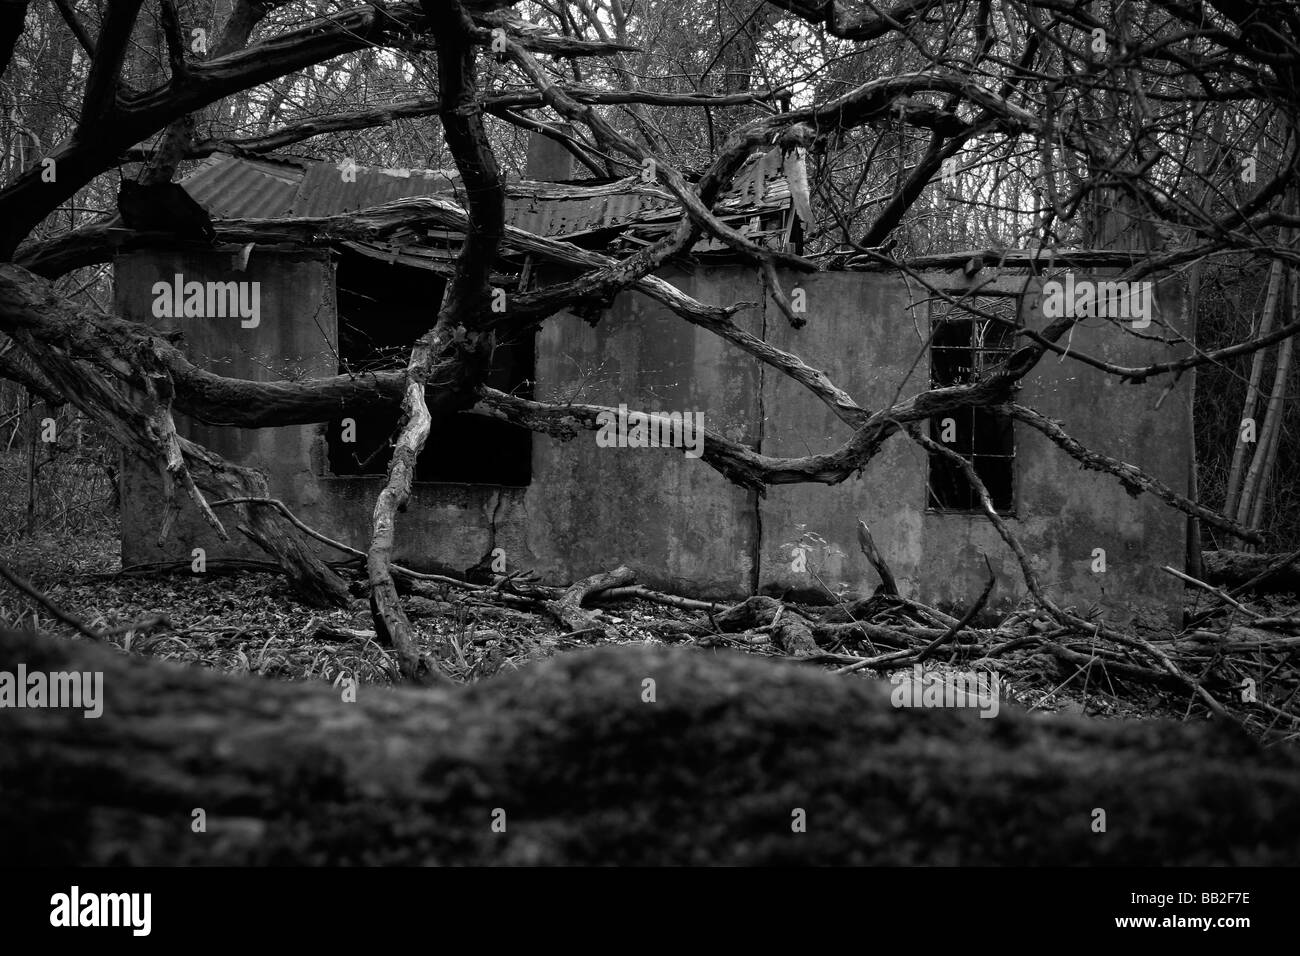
column 232, row 187
column 325, row 191
column 236, row 188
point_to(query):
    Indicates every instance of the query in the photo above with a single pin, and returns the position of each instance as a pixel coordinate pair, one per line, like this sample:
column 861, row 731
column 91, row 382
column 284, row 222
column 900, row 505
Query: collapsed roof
column 595, row 213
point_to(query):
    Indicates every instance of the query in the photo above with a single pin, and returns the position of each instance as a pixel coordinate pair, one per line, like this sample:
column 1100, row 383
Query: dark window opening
column 382, row 310
column 964, row 349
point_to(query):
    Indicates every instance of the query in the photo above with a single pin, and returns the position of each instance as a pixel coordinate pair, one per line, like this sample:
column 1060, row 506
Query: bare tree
column 1070, row 106
column 952, row 132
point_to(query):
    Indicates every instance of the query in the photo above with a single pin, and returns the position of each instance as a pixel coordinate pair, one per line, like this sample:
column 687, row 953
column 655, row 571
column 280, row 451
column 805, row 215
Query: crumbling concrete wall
column 866, row 332
column 672, row 518
column 293, row 339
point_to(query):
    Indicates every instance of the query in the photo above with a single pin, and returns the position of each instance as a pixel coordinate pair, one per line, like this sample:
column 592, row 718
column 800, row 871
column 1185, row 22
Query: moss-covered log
column 582, row 768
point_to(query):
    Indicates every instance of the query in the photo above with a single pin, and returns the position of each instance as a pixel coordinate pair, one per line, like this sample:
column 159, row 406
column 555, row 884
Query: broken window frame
column 502, row 467
column 984, row 436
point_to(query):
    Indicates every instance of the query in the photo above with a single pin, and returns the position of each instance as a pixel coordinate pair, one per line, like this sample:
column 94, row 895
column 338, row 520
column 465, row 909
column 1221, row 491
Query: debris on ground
column 1234, row 658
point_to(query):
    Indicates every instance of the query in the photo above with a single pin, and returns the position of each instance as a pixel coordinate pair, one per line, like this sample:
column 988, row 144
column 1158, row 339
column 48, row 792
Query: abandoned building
column 569, row 509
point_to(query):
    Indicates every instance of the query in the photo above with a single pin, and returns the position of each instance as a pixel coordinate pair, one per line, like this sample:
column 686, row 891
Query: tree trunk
column 1249, row 509
column 1235, row 568
column 311, row 579
column 1232, row 496
column 457, row 339
column 582, row 769
column 1276, row 415
column 868, row 545
column 1192, row 545
column 32, row 429
column 391, row 622
column 142, row 426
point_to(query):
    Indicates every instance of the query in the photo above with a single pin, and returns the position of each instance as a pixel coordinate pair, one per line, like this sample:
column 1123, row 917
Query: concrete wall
column 865, row 336
column 675, row 520
column 294, row 339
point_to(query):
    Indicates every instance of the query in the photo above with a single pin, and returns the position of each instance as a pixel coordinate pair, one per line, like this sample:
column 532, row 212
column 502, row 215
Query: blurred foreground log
column 714, row 770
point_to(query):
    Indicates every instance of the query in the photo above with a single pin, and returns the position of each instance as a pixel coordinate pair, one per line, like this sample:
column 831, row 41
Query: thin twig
column 20, row 584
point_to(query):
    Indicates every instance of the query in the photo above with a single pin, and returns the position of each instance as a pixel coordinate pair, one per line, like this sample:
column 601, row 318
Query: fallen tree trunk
column 582, row 769
column 568, row 610
column 790, row 632
column 1233, row 569
column 139, row 417
column 311, row 579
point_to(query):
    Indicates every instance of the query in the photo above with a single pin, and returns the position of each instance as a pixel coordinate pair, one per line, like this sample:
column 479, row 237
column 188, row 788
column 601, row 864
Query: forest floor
column 248, row 622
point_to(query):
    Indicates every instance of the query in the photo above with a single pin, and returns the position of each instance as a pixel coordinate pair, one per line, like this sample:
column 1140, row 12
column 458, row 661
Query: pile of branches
column 1236, row 646
column 1222, row 659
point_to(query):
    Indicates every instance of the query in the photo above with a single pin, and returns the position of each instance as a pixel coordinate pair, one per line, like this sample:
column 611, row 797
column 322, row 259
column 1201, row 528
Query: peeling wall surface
column 676, row 522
